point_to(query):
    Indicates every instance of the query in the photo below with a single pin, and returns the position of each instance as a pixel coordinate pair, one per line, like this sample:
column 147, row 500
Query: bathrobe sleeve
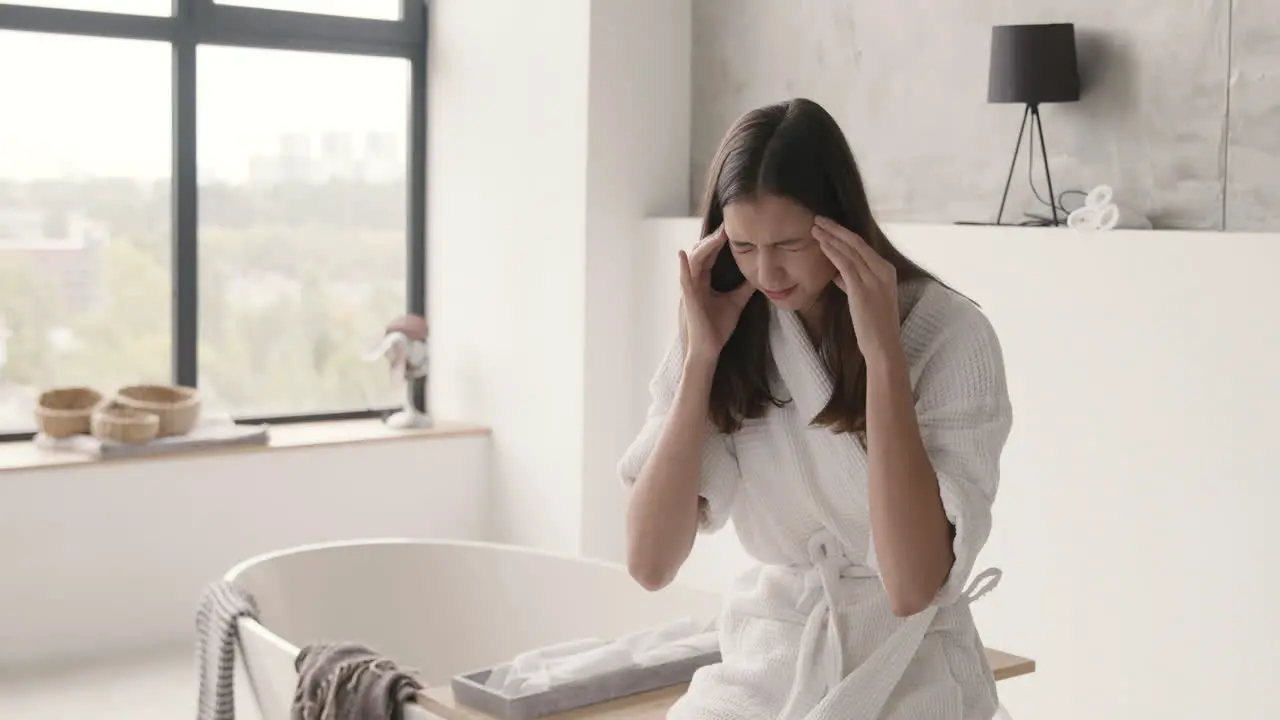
column 962, row 403
column 718, row 483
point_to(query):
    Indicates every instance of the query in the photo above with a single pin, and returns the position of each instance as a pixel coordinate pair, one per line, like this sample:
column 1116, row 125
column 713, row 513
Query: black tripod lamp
column 1030, row 65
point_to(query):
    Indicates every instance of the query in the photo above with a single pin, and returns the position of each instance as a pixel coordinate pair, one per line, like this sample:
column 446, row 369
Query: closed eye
column 792, row 245
column 796, row 244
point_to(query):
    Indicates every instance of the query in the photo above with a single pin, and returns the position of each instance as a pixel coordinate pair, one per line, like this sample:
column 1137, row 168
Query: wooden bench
column 654, row 705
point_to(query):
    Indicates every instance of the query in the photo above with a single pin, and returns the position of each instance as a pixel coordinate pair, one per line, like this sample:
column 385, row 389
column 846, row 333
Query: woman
column 847, row 411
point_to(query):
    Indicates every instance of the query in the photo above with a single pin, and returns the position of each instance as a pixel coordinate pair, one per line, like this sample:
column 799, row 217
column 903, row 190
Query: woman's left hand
column 871, row 285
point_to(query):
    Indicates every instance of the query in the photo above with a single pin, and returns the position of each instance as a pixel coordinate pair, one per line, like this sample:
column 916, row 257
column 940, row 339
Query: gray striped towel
column 216, row 639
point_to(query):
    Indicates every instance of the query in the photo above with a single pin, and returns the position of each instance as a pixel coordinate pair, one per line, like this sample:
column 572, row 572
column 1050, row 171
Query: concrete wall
column 1253, row 169
column 908, row 80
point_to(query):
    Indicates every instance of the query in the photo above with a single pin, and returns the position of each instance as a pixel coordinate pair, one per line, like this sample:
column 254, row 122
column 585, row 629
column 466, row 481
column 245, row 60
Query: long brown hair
column 796, row 150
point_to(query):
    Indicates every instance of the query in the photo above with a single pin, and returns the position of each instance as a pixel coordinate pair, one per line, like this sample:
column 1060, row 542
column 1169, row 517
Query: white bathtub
column 436, row 606
column 431, row 605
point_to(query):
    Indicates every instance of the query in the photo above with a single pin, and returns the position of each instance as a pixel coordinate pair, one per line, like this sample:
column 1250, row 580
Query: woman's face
column 772, row 241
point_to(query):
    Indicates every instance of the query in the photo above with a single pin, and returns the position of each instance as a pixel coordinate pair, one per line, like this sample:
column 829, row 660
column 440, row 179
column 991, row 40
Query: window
column 84, row 216
column 132, row 7
column 221, row 194
column 302, row 225
column 373, row 9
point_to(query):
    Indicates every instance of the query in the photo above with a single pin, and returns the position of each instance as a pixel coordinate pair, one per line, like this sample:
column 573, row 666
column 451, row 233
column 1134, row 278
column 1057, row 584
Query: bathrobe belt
column 820, row 673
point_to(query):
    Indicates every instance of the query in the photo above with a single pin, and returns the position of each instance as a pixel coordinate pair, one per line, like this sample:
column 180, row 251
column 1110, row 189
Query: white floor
column 161, row 687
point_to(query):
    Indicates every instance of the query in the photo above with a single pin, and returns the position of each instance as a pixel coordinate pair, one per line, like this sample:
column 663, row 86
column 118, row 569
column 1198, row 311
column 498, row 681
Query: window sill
column 18, row 456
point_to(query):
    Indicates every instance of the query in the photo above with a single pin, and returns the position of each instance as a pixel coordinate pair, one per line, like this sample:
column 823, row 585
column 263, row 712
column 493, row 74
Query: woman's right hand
column 709, row 316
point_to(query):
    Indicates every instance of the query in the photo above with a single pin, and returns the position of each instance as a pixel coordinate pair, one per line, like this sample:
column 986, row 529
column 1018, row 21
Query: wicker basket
column 177, row 407
column 63, row 412
column 112, row 420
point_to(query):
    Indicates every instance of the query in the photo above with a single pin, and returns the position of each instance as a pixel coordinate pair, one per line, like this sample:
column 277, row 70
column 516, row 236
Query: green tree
column 30, row 307
column 124, row 339
column 336, row 249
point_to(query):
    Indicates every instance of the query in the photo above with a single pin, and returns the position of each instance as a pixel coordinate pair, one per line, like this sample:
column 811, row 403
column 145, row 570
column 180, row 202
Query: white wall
column 1133, row 521
column 506, row 218
column 101, row 559
column 638, row 166
column 554, row 128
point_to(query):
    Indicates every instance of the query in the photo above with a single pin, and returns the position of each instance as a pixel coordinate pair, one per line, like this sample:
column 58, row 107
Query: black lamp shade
column 1033, row 64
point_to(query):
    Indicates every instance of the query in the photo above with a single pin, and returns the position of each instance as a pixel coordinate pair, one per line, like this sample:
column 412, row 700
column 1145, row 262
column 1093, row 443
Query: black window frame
column 205, row 22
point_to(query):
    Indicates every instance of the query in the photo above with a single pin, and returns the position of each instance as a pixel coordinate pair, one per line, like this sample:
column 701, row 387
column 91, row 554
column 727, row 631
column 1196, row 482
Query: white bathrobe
column 808, row 631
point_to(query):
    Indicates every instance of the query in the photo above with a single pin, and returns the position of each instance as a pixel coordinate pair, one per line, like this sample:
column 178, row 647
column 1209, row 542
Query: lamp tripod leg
column 1014, row 163
column 1044, row 155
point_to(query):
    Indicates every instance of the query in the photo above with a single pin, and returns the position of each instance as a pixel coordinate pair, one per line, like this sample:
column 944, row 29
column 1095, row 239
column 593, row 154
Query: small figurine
column 404, row 345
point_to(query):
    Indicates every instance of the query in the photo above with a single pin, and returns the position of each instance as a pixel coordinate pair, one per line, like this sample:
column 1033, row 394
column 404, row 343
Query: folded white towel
column 665, row 634
column 533, row 661
column 691, row 646
column 510, row 677
column 543, row 668
column 556, row 672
